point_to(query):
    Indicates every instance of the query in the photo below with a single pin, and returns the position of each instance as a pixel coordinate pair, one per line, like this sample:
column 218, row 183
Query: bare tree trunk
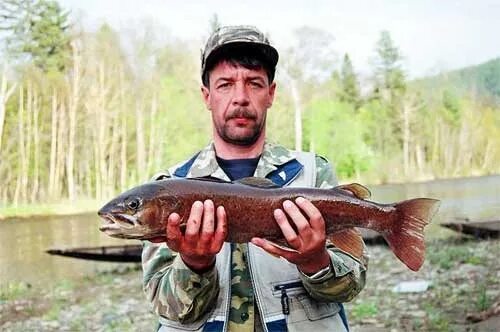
column 123, row 154
column 5, row 94
column 152, row 148
column 298, row 114
column 123, row 136
column 36, row 157
column 406, row 138
column 53, row 147
column 72, row 107
column 61, row 147
column 20, row 124
column 140, row 149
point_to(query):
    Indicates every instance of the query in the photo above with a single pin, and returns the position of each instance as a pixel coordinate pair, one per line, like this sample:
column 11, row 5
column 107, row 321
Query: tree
column 389, row 75
column 349, row 86
column 37, row 30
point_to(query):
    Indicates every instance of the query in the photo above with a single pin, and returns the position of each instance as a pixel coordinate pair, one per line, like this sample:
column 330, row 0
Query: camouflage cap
column 237, row 37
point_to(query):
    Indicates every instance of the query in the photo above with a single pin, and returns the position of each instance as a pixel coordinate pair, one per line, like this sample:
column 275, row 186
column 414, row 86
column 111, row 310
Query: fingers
column 221, row 231
column 315, row 218
column 296, row 215
column 274, row 249
column 193, row 223
column 207, row 228
column 290, row 235
column 174, row 235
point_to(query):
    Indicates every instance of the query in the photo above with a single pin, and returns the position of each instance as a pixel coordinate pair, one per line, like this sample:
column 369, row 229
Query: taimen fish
column 142, row 212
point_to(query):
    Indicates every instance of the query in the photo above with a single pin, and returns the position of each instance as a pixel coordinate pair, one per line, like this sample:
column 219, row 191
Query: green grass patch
column 483, row 301
column 450, row 256
column 437, row 321
column 364, row 310
column 14, row 290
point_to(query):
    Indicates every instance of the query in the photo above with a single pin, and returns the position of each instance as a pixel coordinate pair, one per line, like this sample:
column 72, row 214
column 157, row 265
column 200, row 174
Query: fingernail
column 287, row 204
column 300, row 200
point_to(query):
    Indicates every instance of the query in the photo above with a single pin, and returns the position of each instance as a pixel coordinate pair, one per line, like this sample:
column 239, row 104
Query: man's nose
column 240, row 96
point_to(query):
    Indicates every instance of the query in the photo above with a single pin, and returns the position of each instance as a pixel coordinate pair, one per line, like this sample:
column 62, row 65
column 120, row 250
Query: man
column 197, row 282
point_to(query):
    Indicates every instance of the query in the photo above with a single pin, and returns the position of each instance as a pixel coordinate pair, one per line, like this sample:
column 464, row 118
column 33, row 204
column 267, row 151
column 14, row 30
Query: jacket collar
column 204, row 164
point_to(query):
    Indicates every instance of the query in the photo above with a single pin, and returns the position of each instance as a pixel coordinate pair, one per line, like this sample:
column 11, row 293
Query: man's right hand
column 201, row 241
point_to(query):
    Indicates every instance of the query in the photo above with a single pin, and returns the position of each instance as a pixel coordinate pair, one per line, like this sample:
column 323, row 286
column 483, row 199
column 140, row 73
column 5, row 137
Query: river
column 23, row 241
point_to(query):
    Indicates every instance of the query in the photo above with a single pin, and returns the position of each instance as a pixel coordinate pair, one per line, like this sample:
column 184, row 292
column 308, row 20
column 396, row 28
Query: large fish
column 142, row 212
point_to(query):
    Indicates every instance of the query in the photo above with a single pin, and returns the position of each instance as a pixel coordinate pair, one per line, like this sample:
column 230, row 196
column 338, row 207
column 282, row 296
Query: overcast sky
column 432, row 34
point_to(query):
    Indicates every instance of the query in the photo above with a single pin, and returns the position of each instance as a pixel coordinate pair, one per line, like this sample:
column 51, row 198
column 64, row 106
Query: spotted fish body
column 142, row 212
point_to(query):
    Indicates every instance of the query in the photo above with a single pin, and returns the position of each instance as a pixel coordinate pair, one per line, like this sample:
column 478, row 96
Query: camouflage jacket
column 223, row 298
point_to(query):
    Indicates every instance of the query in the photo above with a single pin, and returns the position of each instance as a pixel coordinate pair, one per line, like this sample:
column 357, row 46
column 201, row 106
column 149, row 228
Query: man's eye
column 256, row 84
column 223, row 85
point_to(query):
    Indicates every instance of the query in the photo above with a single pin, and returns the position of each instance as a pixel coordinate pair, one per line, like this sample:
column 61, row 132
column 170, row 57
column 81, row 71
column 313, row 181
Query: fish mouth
column 114, row 222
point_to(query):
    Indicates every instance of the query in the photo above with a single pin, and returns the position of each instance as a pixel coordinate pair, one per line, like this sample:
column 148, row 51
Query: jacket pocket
column 317, row 310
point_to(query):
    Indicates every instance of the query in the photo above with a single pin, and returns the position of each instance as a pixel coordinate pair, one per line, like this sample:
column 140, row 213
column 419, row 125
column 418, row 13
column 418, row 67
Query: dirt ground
column 463, row 278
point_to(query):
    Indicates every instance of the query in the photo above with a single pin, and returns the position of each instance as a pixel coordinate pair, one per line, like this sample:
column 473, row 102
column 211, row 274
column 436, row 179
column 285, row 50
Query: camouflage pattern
column 241, row 313
column 172, row 288
column 239, row 36
column 182, row 295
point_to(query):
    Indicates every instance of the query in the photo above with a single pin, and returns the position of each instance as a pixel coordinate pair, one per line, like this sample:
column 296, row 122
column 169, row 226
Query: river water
column 23, row 241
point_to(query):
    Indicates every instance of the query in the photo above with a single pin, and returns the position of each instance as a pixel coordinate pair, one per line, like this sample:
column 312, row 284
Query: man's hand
column 201, row 241
column 309, row 240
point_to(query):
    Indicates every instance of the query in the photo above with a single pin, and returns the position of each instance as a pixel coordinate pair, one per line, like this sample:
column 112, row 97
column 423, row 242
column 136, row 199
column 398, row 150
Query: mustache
column 241, row 113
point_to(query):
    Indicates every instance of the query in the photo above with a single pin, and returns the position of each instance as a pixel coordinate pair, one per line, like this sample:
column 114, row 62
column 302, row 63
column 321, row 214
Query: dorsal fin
column 257, row 182
column 356, row 189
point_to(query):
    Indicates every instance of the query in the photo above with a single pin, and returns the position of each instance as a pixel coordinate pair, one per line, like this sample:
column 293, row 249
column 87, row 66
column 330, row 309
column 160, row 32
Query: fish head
column 139, row 213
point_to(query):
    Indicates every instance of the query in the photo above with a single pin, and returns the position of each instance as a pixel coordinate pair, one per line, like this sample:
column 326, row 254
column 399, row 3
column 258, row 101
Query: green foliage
column 388, row 68
column 448, row 257
column 349, row 92
column 364, row 310
column 483, row 301
column 336, row 131
column 14, row 290
column 37, row 29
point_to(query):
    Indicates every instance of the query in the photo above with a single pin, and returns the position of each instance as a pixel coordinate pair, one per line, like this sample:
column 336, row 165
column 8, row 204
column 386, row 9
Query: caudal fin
column 406, row 238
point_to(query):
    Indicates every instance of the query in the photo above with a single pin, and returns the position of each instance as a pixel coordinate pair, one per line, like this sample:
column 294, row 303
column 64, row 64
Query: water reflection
column 24, row 241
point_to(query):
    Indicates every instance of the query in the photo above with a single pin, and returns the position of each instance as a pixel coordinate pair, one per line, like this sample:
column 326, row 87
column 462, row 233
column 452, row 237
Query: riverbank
column 463, row 275
column 62, row 208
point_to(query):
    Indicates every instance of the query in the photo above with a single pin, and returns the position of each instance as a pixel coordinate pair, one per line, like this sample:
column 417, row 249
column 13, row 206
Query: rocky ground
column 464, row 279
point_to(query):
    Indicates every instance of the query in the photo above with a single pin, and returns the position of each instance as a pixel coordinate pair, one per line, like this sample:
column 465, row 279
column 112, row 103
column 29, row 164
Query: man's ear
column 205, row 92
column 272, row 90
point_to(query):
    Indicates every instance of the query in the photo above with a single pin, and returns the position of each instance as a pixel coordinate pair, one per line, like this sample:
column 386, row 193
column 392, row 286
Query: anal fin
column 348, row 240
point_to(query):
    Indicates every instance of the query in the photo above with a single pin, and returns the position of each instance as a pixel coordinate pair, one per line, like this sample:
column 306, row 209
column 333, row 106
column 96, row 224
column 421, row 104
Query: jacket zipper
column 285, row 300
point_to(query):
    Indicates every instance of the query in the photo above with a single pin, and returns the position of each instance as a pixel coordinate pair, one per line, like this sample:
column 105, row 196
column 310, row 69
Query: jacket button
column 244, row 316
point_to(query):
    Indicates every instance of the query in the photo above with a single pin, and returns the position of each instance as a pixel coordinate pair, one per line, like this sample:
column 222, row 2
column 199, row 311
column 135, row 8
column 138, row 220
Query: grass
column 14, row 290
column 364, row 310
column 59, row 208
column 449, row 256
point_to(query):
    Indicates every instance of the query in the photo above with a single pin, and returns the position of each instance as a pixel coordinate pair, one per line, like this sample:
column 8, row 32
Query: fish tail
column 406, row 238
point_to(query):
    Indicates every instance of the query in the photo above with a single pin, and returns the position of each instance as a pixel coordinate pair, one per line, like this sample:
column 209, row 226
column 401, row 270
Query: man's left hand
column 309, row 239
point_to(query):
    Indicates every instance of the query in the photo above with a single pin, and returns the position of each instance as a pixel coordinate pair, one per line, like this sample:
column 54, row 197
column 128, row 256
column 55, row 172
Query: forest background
column 85, row 115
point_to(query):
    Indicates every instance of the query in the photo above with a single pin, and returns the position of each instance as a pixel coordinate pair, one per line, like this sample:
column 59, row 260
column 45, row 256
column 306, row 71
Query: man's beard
column 242, row 139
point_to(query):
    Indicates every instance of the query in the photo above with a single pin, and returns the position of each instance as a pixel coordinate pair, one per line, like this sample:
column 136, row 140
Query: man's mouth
column 242, row 121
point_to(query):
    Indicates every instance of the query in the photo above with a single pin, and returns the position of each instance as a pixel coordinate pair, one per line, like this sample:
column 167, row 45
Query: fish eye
column 133, row 203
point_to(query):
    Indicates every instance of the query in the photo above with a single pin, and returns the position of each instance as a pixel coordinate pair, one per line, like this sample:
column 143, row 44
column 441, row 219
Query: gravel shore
column 463, row 278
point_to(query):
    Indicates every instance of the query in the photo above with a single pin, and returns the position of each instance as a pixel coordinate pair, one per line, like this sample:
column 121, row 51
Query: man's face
column 238, row 99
